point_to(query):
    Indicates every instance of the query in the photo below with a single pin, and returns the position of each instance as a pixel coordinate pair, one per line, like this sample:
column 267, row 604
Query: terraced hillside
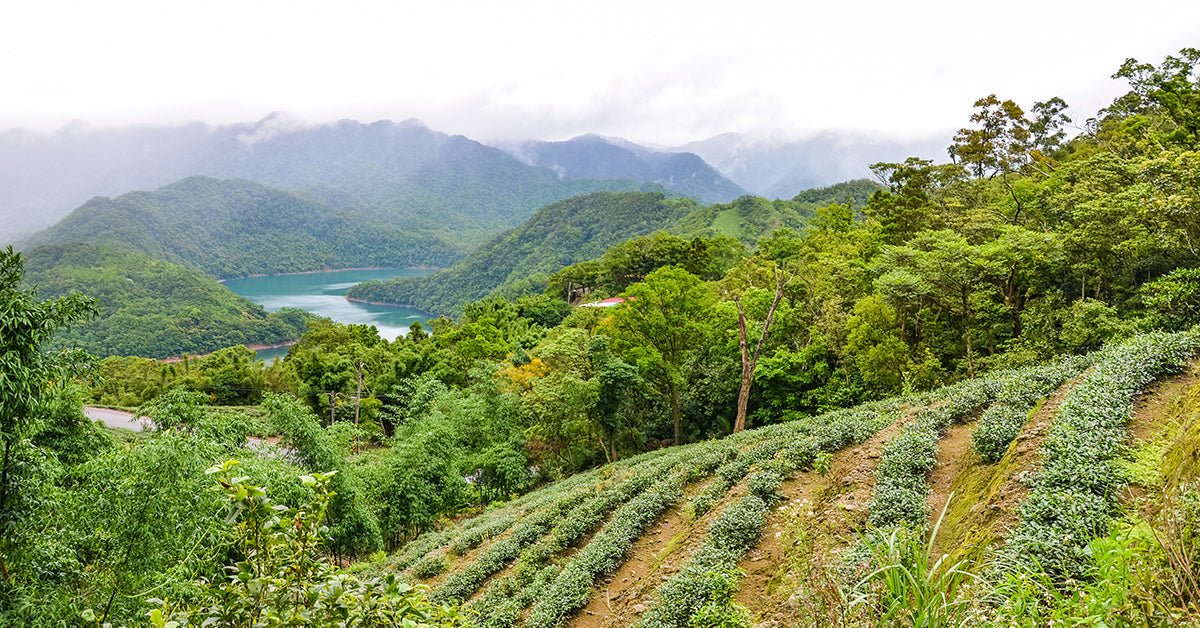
column 1019, row 477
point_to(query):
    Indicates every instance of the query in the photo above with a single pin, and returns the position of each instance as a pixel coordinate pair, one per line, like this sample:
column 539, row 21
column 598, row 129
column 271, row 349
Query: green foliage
column 658, row 325
column 236, row 228
column 1003, row 420
column 29, row 379
column 1072, row 500
column 153, row 308
column 282, row 578
column 1175, row 298
column 908, row 587
column 558, row 235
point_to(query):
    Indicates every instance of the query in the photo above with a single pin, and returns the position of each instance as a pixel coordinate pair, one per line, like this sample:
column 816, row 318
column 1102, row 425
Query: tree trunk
column 674, row 399
column 750, row 362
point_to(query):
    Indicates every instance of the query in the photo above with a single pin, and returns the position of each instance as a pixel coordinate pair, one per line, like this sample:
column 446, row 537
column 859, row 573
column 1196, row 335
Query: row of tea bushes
column 710, row 575
column 1002, row 422
column 901, row 495
column 630, row 481
column 1074, row 495
column 504, row 600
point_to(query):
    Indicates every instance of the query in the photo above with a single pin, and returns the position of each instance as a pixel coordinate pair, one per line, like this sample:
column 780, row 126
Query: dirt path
column 1158, row 401
column 621, row 597
column 954, row 449
column 786, row 577
column 987, row 497
column 1160, row 416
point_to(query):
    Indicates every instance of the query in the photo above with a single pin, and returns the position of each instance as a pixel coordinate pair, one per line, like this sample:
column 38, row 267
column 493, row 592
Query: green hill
column 236, row 228
column 152, row 308
column 580, row 229
column 558, row 235
column 779, row 523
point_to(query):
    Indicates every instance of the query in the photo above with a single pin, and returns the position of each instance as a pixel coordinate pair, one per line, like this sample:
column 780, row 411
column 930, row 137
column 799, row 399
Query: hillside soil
column 787, row 577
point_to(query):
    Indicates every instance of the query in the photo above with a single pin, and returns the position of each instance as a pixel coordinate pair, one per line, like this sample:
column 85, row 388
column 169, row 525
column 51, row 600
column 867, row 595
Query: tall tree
column 657, row 328
column 750, row 361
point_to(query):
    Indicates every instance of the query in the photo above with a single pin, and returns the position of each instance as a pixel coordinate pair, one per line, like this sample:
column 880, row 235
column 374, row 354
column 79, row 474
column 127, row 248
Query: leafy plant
column 282, row 577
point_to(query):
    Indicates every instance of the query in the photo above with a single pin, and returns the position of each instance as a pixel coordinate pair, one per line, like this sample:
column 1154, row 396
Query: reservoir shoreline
column 329, row 270
column 258, row 346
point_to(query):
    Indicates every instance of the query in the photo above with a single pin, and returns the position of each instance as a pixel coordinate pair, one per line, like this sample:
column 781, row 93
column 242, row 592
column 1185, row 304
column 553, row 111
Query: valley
column 963, row 393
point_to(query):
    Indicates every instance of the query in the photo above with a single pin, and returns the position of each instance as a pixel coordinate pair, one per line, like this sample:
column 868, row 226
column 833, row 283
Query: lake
column 325, row 294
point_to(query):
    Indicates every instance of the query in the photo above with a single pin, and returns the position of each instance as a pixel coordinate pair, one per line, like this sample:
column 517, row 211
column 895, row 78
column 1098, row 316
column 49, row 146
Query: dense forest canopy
column 973, row 288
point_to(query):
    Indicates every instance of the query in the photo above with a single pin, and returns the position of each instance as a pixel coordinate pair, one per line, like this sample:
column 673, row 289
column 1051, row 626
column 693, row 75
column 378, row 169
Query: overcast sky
column 655, row 72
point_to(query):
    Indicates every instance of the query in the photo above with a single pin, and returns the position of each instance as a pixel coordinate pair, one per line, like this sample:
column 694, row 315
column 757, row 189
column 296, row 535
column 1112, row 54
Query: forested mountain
column 595, row 157
column 583, row 228
column 443, row 186
column 237, row 228
column 558, row 235
column 153, row 308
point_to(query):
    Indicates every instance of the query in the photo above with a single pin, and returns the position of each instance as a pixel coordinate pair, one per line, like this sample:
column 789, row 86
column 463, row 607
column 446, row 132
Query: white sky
column 653, row 72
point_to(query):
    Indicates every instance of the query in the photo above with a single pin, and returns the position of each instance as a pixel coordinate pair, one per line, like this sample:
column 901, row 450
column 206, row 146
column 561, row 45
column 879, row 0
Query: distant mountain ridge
column 595, row 157
column 448, row 186
column 774, row 167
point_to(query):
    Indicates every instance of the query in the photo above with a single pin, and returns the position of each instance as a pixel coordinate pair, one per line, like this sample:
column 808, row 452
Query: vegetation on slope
column 1030, row 246
column 518, row 261
column 237, row 228
column 153, row 308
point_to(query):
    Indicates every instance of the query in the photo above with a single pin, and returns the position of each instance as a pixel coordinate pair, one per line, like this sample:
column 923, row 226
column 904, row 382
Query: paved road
column 116, row 418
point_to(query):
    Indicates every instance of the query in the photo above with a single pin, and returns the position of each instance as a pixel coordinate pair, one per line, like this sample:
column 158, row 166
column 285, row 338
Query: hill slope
column 448, row 186
column 558, row 235
column 773, row 519
column 152, row 308
column 237, row 228
column 577, row 230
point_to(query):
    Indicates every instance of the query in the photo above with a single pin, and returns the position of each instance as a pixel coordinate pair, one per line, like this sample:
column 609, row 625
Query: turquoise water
column 324, row 294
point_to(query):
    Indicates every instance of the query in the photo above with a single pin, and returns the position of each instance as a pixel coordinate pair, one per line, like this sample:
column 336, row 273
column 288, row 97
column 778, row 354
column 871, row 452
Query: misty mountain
column 595, row 157
column 236, row 228
column 446, row 186
column 777, row 168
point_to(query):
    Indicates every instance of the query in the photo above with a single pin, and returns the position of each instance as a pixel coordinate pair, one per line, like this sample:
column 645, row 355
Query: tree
column 940, row 268
column 999, row 144
column 657, row 327
column 749, row 362
column 28, row 375
column 1047, row 133
column 1171, row 91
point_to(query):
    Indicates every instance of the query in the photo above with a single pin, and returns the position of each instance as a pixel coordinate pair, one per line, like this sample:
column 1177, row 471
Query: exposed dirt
column 1162, row 414
column 1159, row 401
column 622, row 596
column 987, row 496
column 954, row 451
column 819, row 516
column 454, row 563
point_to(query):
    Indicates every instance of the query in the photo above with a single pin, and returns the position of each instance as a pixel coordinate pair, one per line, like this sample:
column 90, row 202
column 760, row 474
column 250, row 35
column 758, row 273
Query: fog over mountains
column 407, row 168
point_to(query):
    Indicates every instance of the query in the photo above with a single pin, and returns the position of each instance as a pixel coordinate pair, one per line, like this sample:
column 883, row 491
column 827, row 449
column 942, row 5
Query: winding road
column 116, row 418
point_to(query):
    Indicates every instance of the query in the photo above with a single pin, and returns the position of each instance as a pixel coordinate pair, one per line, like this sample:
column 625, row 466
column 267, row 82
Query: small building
column 605, row 303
